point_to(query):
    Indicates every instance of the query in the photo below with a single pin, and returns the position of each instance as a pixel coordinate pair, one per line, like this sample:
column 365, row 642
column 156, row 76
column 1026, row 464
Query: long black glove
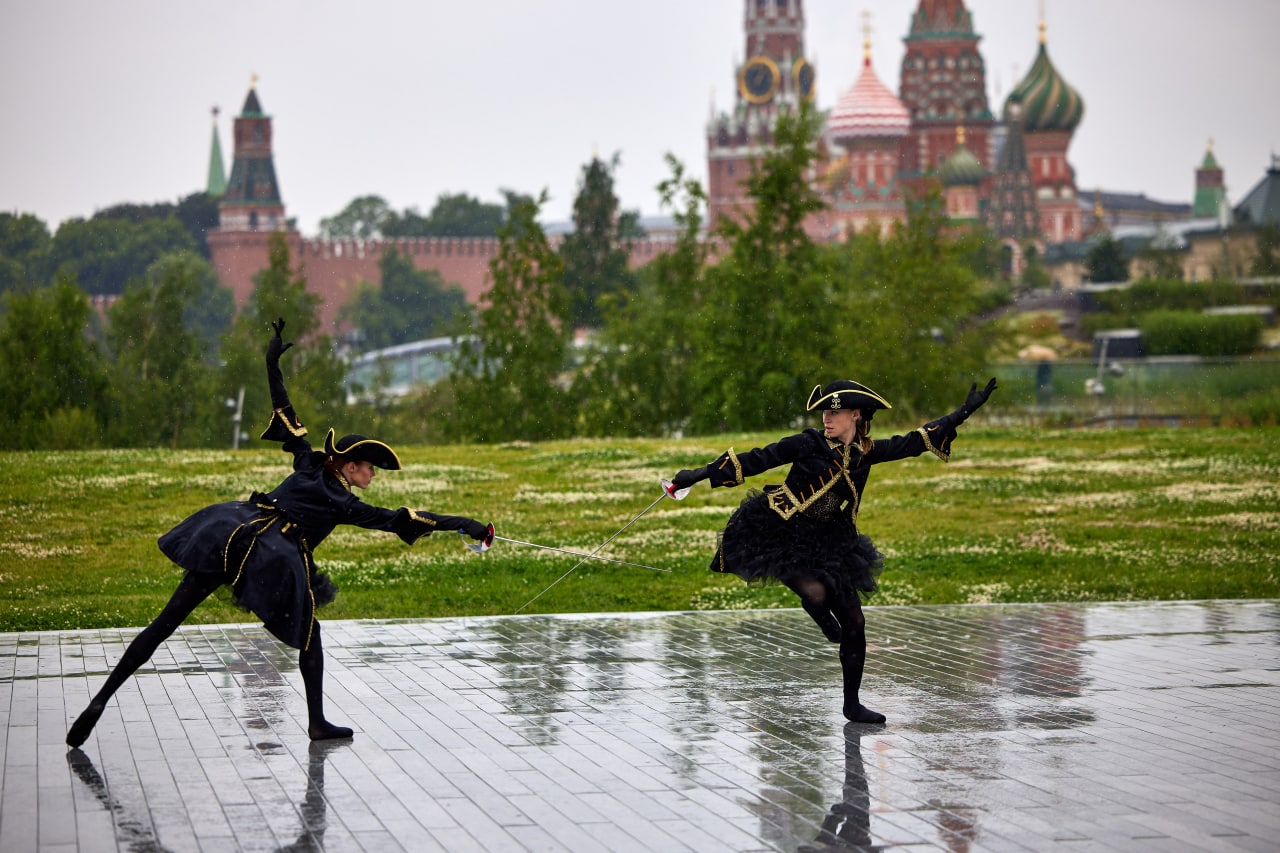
column 475, row 529
column 275, row 379
column 686, row 478
column 974, row 400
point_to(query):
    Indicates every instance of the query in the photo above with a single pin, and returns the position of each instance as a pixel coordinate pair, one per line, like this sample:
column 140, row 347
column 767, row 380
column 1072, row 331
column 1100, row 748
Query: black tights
column 193, row 589
column 841, row 620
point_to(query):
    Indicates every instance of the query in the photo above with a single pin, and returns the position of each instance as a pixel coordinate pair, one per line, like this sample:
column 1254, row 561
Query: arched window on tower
column 762, row 8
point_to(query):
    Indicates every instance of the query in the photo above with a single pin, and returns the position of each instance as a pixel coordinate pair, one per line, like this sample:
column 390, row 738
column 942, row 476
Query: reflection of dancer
column 848, row 824
column 132, row 832
column 261, row 548
column 312, row 810
column 804, row 533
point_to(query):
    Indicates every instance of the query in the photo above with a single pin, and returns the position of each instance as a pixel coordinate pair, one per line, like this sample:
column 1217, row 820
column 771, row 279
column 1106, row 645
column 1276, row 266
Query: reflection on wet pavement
column 1010, row 727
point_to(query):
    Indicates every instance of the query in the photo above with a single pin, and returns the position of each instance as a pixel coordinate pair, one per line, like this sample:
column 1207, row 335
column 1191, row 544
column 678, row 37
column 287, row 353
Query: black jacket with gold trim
column 823, row 470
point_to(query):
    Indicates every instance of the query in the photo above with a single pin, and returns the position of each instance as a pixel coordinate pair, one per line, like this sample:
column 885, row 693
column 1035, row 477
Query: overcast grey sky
column 107, row 102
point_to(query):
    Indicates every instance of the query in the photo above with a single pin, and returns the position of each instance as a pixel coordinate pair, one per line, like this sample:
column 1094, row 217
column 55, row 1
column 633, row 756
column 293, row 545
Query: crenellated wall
column 334, row 268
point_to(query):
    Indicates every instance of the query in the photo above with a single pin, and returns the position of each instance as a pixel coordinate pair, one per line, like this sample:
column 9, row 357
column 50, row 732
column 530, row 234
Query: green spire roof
column 1048, row 102
column 217, row 183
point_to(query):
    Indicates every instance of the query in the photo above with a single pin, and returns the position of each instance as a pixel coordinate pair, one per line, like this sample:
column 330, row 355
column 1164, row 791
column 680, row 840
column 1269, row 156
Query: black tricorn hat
column 846, row 394
column 357, row 448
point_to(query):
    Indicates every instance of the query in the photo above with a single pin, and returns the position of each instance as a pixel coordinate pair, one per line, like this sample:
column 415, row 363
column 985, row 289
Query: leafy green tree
column 651, row 332
column 197, row 212
column 507, row 378
column 24, row 251
column 1034, row 273
column 762, row 339
column 105, row 253
column 457, row 215
column 52, row 376
column 1105, row 261
column 163, row 387
column 410, row 305
column 597, row 254
column 314, row 371
column 904, row 314
column 362, row 219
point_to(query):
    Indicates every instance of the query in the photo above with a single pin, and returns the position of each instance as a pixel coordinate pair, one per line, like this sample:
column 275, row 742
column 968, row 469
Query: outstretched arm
column 284, row 424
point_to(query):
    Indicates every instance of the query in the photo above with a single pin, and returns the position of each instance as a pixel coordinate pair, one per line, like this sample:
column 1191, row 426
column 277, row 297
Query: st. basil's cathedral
column 879, row 149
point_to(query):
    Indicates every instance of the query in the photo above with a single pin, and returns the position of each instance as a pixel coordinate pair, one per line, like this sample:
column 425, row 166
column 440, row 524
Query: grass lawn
column 1017, row 515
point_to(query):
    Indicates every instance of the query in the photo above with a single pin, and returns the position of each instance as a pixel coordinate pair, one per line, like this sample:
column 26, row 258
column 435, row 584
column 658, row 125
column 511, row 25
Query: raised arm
column 284, row 425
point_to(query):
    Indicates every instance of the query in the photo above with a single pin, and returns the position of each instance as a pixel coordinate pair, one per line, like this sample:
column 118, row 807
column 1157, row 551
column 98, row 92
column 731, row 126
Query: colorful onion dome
column 1048, row 102
column 868, row 110
column 961, row 168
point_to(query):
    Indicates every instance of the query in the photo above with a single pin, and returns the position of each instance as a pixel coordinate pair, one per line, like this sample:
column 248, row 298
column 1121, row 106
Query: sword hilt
column 671, row 490
column 484, row 544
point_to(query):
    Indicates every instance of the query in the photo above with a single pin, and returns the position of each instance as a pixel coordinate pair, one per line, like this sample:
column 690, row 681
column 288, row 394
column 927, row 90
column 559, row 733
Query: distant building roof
column 1262, row 203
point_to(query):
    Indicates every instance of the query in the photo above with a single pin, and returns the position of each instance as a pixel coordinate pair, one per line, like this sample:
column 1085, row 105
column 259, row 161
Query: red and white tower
column 775, row 76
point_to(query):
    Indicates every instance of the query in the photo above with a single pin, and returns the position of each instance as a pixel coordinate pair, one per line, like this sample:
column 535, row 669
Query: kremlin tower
column 775, row 76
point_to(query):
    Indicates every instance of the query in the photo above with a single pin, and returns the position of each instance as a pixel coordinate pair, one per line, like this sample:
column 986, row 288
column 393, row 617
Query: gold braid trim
column 944, row 455
column 413, row 515
column 226, row 551
column 311, row 593
column 730, row 456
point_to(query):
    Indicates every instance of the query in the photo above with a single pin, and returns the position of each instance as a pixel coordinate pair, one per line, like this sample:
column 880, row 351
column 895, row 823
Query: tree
column 770, row 294
column 315, row 373
column 513, row 361
column 52, row 377
column 105, row 253
column 596, row 255
column 651, row 332
column 453, row 216
column 362, row 219
column 163, row 388
column 903, row 313
column 24, row 251
column 1105, row 261
column 410, row 305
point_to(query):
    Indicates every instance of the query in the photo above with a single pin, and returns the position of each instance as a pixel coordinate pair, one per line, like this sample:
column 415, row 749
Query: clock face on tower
column 758, row 79
column 802, row 76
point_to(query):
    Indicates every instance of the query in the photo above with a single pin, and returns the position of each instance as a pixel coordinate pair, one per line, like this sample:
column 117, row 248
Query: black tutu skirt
column 758, row 545
column 269, row 570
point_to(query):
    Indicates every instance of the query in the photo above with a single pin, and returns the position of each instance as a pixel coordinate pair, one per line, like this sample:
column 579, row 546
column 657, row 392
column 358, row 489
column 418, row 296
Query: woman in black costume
column 261, row 548
column 804, row 532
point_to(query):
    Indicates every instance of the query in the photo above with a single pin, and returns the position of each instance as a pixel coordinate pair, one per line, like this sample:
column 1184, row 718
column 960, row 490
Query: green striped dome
column 961, row 168
column 1048, row 102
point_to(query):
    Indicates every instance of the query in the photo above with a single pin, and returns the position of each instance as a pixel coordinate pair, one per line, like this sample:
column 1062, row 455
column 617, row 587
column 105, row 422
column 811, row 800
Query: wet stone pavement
column 1140, row 726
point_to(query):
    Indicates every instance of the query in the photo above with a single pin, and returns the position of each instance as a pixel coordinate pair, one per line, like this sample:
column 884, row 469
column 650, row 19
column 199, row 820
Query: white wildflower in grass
column 1043, row 540
column 890, row 592
column 1238, row 520
column 530, row 494
column 106, row 482
column 986, row 593
column 712, row 511
column 1222, row 492
column 32, row 551
column 670, row 540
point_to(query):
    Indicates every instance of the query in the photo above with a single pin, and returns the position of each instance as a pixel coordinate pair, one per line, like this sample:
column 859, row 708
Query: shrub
column 1194, row 333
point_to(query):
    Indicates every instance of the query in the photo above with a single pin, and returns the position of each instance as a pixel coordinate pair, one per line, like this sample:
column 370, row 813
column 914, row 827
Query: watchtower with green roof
column 1211, row 190
column 252, row 200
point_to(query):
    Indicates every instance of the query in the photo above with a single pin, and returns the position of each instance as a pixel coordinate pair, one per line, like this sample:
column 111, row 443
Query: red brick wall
column 334, row 268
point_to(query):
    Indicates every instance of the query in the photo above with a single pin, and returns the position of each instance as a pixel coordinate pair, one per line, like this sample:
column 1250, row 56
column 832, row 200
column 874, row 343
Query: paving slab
column 1119, row 726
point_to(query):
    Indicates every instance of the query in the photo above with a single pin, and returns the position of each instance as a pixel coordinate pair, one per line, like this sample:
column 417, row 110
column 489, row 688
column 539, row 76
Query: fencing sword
column 668, row 491
column 487, row 542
